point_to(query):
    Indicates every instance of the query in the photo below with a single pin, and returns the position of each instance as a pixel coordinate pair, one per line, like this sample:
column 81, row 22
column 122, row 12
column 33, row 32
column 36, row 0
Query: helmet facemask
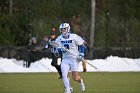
column 64, row 29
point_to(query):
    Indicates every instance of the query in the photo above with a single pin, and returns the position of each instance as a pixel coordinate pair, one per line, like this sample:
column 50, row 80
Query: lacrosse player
column 72, row 57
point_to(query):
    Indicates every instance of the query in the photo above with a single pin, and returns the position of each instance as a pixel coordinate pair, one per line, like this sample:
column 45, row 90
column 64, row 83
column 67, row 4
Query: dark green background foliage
column 23, row 18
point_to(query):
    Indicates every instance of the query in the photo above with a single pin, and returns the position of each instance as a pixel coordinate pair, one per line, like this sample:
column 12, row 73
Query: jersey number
column 67, row 46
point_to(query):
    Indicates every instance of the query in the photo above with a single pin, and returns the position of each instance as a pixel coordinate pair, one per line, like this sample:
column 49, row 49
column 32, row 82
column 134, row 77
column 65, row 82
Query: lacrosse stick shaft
column 92, row 65
column 65, row 49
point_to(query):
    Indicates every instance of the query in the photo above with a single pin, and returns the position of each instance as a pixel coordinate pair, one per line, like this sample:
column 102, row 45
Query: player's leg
column 55, row 64
column 71, row 88
column 76, row 76
column 65, row 69
column 59, row 71
column 84, row 65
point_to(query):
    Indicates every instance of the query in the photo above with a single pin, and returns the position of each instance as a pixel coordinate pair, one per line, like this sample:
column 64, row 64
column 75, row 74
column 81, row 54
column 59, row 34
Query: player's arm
column 81, row 53
column 81, row 47
column 57, row 45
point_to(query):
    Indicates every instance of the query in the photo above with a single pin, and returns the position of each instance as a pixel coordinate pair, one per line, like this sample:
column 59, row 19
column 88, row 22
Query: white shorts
column 69, row 64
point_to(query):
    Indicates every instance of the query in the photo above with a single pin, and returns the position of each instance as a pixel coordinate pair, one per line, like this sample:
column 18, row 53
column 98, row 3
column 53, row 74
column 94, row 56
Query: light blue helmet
column 65, row 26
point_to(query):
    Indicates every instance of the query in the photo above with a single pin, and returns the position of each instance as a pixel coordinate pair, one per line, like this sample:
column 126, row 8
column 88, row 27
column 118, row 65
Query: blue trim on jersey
column 59, row 50
column 81, row 48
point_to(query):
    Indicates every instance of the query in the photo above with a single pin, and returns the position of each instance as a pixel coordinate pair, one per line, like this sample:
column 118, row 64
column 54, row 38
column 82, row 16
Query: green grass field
column 49, row 83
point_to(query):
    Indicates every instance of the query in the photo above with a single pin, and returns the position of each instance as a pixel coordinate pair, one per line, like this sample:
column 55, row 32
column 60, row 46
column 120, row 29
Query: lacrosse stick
column 56, row 45
column 92, row 65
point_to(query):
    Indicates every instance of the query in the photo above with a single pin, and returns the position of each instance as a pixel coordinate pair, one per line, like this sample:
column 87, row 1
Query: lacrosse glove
column 60, row 50
column 80, row 57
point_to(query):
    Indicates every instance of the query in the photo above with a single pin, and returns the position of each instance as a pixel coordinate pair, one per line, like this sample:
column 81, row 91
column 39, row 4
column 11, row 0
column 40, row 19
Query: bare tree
column 10, row 7
column 92, row 27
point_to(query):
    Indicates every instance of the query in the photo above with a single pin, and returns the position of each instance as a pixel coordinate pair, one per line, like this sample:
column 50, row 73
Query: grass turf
column 125, row 82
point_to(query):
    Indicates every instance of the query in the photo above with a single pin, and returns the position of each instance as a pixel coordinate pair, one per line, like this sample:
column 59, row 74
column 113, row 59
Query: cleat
column 66, row 91
column 84, row 70
column 60, row 77
column 71, row 89
column 82, row 86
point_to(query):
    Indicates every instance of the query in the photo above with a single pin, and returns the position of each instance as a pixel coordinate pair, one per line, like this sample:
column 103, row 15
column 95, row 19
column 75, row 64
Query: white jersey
column 70, row 43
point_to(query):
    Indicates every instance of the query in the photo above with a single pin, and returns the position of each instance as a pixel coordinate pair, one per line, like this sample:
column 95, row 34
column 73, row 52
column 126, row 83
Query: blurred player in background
column 54, row 57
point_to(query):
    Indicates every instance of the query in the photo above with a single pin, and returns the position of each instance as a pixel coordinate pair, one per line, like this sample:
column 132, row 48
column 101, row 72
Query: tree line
column 117, row 22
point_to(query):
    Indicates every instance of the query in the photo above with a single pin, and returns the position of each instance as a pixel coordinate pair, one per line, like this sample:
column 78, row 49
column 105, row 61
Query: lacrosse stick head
column 53, row 43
